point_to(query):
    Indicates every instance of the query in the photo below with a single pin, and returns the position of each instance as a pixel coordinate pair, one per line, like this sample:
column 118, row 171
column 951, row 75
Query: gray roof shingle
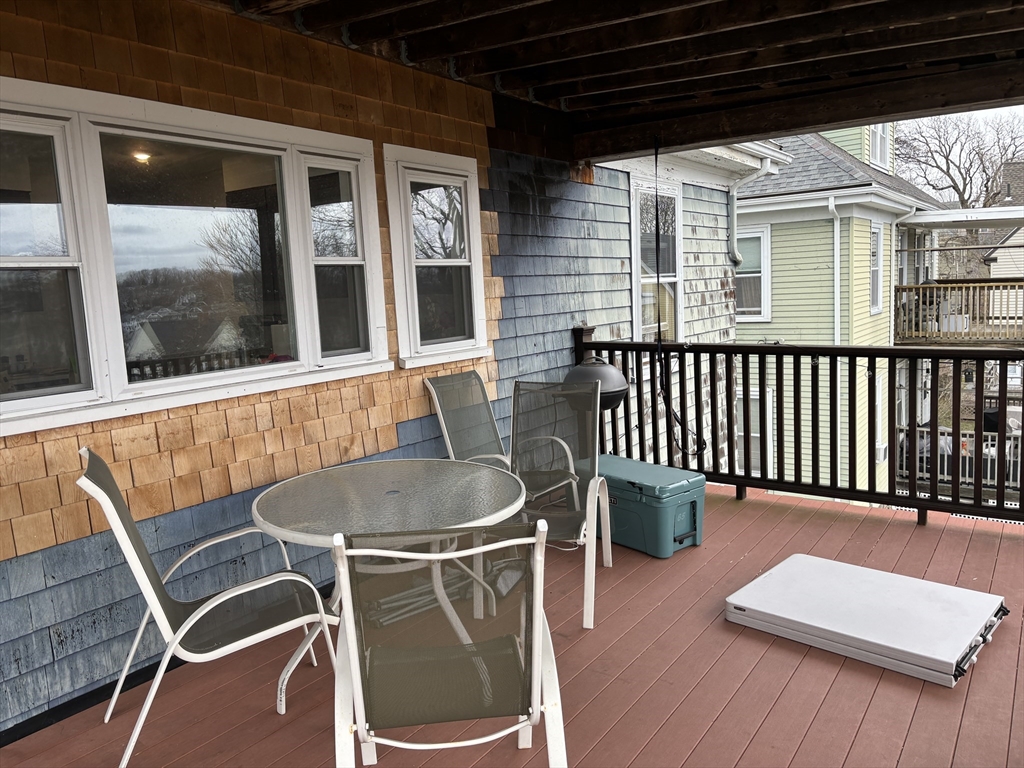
column 818, row 164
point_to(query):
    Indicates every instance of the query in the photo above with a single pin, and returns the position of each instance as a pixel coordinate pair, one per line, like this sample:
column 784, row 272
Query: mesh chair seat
column 540, row 482
column 467, row 422
column 246, row 615
column 415, row 686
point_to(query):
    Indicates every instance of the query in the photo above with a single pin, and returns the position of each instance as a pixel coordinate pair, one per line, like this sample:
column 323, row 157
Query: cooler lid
column 648, row 479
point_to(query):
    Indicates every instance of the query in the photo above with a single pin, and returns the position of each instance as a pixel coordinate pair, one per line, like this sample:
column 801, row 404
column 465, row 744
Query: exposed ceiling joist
column 604, row 78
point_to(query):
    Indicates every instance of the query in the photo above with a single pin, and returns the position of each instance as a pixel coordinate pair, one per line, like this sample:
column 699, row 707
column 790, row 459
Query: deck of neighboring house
column 663, row 680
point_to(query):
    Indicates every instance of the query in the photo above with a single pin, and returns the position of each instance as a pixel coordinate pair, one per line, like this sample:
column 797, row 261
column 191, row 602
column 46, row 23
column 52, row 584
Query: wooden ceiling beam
column 989, row 85
column 270, row 7
column 834, row 25
column 837, row 65
column 730, row 15
column 517, row 27
column 328, row 15
column 790, row 62
column 430, row 20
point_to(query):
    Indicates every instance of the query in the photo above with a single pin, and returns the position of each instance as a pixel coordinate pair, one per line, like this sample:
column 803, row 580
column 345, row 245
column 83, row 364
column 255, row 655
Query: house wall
column 1010, row 261
column 68, row 607
column 709, row 293
column 853, row 140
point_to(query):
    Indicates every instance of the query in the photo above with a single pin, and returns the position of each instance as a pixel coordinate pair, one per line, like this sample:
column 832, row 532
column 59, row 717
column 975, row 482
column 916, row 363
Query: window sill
column 753, row 318
column 448, row 356
column 67, row 411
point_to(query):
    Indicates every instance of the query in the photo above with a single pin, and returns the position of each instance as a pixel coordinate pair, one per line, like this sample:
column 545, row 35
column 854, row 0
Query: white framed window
column 875, row 268
column 436, row 256
column 753, row 275
column 658, row 284
column 879, row 138
column 216, row 255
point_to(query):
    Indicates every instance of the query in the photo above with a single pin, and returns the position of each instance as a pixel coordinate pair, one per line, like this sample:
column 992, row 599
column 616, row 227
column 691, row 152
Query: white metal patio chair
column 471, row 432
column 213, row 626
column 425, row 666
column 556, row 434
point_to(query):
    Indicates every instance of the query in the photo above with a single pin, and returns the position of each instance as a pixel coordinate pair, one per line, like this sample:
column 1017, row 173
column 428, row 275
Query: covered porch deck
column 663, row 679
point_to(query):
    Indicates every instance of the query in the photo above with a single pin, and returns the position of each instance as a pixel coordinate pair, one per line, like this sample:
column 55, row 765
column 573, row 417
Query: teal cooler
column 657, row 510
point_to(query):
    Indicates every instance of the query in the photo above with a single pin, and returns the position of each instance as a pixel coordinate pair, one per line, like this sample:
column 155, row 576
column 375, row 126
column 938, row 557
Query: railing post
column 922, row 516
column 741, row 492
column 581, row 334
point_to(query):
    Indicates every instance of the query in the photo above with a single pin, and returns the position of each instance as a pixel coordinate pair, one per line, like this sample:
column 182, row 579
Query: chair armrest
column 561, row 442
column 217, row 540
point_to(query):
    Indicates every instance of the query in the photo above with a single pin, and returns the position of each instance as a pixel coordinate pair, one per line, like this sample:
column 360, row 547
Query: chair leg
column 551, row 698
column 293, row 662
column 148, row 703
column 590, row 563
column 127, row 666
column 344, row 719
column 525, row 735
column 606, row 523
column 368, row 752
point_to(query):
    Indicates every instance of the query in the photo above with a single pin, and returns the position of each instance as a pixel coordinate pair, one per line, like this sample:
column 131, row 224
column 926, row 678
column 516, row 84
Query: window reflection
column 444, row 300
column 201, row 269
column 437, row 224
column 30, row 206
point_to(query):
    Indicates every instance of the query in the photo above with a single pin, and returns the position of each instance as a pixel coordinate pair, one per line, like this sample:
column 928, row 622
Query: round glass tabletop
column 387, row 497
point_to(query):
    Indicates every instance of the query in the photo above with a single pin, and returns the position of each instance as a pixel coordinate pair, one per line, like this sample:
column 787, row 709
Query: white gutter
column 836, row 271
column 766, row 165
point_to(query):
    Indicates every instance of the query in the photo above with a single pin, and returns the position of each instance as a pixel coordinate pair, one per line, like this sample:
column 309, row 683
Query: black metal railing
column 824, row 421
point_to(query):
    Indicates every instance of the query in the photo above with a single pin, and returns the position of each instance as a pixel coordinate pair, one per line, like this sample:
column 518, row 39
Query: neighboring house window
column 659, row 284
column 880, row 145
column 753, row 275
column 437, row 260
column 876, row 269
column 220, row 253
column 43, row 341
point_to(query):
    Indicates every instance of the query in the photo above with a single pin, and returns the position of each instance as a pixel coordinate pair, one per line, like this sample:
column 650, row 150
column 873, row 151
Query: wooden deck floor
column 663, row 680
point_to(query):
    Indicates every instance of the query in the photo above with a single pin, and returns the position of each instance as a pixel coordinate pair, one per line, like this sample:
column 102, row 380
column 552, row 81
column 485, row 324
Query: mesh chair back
column 419, row 664
column 98, row 481
column 551, row 425
column 467, row 421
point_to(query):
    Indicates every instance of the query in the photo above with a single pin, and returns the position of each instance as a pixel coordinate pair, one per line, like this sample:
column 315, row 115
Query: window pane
column 748, row 294
column 667, row 224
column 31, row 220
column 333, row 214
column 649, row 297
column 437, row 223
column 202, row 276
column 750, row 251
column 341, row 306
column 445, row 304
column 39, row 342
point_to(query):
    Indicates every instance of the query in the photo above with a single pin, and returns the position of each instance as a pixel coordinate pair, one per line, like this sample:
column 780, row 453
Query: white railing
column 963, row 451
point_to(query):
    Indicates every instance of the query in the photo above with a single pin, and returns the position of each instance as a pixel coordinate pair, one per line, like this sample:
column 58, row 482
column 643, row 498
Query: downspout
column 836, row 293
column 836, row 271
column 734, row 252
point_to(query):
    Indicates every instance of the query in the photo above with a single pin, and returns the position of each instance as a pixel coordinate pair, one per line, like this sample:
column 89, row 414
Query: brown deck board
column 663, row 680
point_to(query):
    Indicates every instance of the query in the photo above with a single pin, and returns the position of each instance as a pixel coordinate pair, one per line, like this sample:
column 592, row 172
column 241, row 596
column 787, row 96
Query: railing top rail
column 890, row 353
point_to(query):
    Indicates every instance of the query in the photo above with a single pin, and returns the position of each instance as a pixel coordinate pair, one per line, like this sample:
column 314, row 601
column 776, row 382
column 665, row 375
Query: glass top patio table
column 388, row 496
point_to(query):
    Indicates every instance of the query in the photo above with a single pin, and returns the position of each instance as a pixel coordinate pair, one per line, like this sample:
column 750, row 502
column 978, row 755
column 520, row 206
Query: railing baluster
column 780, row 420
column 911, row 454
column 1001, row 436
column 833, row 421
column 852, row 421
column 815, row 421
column 716, row 420
column 684, row 412
column 935, row 451
column 652, row 367
column 670, row 425
column 957, row 438
column 730, row 411
column 747, row 462
column 698, row 409
column 890, row 417
column 641, row 420
column 763, row 420
column 798, row 407
column 628, row 412
column 872, row 423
